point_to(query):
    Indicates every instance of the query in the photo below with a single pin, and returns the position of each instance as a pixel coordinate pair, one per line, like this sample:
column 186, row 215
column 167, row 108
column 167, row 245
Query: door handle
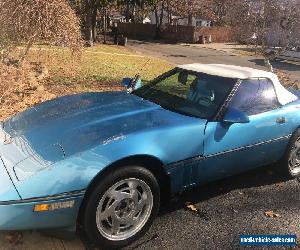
column 280, row 120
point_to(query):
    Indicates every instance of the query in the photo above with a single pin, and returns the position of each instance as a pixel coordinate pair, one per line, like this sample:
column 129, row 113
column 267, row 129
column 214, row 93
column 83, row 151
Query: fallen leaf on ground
column 14, row 238
column 192, row 207
column 279, row 184
column 271, row 214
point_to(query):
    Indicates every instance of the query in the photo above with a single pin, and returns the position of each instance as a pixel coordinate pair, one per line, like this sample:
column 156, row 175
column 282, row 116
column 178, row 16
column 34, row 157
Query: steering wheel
column 209, row 99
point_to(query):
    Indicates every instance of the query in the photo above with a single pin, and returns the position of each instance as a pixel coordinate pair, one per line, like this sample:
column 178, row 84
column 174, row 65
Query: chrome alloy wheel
column 294, row 158
column 124, row 209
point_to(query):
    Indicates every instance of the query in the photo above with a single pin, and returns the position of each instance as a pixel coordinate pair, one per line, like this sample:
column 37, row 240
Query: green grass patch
column 97, row 68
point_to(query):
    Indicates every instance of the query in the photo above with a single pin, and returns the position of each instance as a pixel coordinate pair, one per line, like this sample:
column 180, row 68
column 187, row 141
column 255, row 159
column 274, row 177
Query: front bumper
column 20, row 215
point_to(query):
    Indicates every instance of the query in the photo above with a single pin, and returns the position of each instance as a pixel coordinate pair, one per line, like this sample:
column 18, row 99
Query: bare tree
column 27, row 22
column 267, row 24
column 220, row 9
column 185, row 9
column 193, row 8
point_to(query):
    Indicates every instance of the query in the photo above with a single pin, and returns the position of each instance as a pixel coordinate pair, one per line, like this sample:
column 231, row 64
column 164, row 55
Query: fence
column 176, row 33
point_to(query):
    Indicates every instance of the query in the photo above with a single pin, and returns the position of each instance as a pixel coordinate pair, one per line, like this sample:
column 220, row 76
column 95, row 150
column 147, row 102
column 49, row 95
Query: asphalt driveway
column 214, row 53
column 227, row 209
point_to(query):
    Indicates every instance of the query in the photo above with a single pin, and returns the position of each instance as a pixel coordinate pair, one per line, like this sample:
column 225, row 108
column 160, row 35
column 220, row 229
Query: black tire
column 285, row 165
column 89, row 223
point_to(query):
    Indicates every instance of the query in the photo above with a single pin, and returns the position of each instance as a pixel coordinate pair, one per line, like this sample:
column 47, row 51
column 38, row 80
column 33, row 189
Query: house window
column 198, row 23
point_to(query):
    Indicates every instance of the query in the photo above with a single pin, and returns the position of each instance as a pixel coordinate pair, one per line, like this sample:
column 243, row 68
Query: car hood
column 82, row 119
column 62, row 127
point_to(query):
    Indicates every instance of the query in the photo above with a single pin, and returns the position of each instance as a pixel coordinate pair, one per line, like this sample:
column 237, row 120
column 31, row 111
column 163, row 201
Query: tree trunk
column 158, row 23
column 190, row 20
column 169, row 14
column 104, row 24
column 88, row 23
column 25, row 53
column 94, row 24
column 127, row 11
column 142, row 15
column 133, row 19
column 162, row 14
column 156, row 16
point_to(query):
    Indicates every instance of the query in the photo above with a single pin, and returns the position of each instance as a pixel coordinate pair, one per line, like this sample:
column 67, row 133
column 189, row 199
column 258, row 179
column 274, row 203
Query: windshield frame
column 175, row 70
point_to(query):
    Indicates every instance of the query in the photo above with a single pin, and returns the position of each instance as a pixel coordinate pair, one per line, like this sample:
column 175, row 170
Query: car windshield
column 187, row 92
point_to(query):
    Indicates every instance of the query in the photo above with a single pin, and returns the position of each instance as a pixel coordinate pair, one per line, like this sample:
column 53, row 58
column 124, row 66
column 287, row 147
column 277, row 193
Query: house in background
column 179, row 20
column 117, row 18
column 147, row 20
column 196, row 22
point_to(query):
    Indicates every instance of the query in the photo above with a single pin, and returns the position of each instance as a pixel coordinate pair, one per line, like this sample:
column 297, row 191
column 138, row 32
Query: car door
column 230, row 148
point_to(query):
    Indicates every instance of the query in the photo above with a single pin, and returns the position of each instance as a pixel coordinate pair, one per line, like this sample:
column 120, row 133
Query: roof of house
column 232, row 71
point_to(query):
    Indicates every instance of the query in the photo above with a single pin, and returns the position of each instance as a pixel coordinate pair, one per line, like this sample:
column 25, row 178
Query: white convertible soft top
column 243, row 73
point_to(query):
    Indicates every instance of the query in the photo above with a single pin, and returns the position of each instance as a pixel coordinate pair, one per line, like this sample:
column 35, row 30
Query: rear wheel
column 121, row 207
column 291, row 159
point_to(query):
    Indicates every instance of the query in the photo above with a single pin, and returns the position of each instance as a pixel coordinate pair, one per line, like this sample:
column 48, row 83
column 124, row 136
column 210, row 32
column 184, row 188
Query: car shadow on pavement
column 263, row 176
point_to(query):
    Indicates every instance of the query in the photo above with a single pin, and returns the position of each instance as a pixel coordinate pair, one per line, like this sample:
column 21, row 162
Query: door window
column 255, row 96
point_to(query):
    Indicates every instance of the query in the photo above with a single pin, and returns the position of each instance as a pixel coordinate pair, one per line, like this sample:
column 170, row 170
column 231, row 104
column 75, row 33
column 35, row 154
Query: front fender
column 76, row 172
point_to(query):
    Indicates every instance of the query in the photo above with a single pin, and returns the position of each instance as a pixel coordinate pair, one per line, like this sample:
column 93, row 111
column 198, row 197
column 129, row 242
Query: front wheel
column 121, row 207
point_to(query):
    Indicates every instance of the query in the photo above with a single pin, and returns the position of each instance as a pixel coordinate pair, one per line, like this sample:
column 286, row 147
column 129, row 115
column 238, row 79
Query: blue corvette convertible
column 105, row 160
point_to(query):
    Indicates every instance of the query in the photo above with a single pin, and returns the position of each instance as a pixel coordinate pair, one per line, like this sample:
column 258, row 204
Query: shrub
column 26, row 22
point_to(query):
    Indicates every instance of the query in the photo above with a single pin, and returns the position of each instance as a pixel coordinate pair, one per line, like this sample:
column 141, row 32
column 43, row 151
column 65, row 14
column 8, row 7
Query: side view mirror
column 132, row 83
column 235, row 116
column 126, row 81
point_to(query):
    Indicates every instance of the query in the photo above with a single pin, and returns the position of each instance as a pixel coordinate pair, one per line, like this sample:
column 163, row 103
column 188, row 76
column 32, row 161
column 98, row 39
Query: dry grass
column 19, row 89
column 286, row 79
column 100, row 68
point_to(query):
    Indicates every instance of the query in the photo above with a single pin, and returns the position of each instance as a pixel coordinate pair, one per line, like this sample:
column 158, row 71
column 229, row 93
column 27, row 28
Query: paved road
column 183, row 54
